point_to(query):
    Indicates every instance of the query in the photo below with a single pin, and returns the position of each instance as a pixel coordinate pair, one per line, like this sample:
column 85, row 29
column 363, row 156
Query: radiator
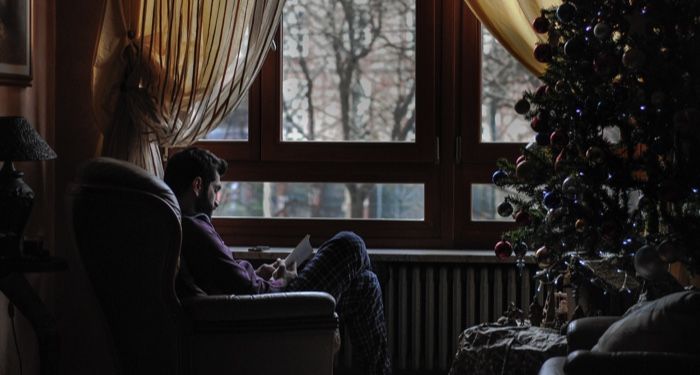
column 428, row 305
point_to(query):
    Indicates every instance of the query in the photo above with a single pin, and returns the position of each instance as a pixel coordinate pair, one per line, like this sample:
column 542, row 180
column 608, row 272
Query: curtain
column 510, row 21
column 167, row 72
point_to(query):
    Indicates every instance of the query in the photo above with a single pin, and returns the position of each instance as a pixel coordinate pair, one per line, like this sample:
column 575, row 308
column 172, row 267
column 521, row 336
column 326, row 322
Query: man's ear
column 197, row 185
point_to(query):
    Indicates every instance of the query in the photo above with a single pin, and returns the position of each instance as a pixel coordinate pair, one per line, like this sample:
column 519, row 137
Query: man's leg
column 362, row 314
column 341, row 267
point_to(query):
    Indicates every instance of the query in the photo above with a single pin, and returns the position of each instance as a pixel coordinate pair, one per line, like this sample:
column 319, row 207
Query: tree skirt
column 495, row 349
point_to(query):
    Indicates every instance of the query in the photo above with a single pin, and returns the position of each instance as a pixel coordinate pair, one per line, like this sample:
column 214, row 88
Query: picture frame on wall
column 16, row 42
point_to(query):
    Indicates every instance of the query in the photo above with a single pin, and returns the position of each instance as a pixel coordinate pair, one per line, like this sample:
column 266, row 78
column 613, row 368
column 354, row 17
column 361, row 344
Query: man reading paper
column 340, row 267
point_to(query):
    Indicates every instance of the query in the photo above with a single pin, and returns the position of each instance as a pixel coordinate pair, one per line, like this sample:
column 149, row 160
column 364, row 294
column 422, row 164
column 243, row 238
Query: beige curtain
column 510, row 21
column 166, row 72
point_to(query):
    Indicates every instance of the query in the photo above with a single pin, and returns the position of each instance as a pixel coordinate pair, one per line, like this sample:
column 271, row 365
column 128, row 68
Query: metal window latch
column 437, row 150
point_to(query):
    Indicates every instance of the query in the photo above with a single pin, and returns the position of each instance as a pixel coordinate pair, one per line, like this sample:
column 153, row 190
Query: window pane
column 504, row 80
column 485, row 200
column 349, row 76
column 234, row 126
column 321, row 200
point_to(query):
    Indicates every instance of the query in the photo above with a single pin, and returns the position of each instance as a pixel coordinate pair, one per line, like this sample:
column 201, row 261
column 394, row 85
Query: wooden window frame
column 447, row 157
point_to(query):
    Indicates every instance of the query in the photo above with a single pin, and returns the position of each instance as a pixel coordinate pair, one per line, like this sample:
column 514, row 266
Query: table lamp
column 18, row 142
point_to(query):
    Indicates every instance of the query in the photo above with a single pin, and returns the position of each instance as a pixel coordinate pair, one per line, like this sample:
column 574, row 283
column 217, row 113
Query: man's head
column 194, row 175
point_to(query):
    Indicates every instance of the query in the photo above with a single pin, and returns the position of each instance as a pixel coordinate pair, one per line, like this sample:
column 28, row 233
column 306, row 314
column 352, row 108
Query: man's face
column 208, row 200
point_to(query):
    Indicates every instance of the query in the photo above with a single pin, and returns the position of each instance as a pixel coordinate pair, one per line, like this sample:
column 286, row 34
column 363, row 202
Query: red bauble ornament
column 543, row 53
column 559, row 138
column 525, row 170
column 522, row 218
column 541, row 91
column 538, row 124
column 503, row 249
column 540, row 25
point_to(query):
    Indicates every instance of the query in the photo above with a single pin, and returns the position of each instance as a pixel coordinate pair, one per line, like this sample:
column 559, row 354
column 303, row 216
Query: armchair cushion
column 668, row 324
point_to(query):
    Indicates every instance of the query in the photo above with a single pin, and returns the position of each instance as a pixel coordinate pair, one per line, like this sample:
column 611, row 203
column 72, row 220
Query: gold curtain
column 510, row 21
column 166, row 72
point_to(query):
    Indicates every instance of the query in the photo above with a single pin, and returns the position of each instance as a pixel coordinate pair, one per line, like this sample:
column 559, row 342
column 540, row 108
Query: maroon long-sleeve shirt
column 212, row 265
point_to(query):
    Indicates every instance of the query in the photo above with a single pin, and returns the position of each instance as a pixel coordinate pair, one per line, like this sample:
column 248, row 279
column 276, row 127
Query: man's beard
column 203, row 206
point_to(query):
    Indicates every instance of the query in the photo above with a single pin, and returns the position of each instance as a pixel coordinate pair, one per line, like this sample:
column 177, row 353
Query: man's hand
column 283, row 273
column 265, row 271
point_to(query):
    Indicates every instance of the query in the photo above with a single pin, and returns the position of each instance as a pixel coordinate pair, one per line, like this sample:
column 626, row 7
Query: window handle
column 458, row 150
column 437, row 150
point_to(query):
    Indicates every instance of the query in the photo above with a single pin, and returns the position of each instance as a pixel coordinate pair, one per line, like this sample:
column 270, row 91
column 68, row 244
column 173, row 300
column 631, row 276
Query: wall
column 36, row 103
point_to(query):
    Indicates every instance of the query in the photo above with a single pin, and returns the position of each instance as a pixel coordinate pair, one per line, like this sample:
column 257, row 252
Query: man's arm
column 213, row 266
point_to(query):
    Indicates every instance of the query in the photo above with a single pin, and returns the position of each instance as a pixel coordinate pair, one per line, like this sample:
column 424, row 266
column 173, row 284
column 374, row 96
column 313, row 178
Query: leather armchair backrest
column 126, row 224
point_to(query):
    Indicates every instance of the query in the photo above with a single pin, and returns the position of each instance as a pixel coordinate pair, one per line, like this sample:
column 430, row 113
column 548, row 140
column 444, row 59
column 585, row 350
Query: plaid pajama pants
column 341, row 267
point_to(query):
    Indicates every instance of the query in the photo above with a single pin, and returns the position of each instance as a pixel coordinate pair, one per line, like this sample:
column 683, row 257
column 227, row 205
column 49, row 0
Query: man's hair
column 188, row 164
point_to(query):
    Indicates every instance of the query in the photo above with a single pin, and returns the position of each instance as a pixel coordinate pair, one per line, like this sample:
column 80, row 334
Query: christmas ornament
column 580, row 225
column 503, row 249
column 559, row 139
column 522, row 106
column 540, row 25
column 505, row 209
column 520, row 249
column 544, row 257
column 541, row 91
column 525, row 170
column 571, row 185
column 498, row 178
column 566, row 12
column 601, row 31
column 595, row 155
column 522, row 218
column 539, row 123
column 551, row 200
column 543, row 53
column 574, row 47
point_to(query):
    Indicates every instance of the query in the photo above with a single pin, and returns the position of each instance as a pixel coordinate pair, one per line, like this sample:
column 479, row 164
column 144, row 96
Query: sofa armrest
column 583, row 333
column 601, row 363
column 262, row 312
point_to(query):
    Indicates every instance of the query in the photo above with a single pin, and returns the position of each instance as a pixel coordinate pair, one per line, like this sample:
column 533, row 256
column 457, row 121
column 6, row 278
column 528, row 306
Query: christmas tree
column 614, row 171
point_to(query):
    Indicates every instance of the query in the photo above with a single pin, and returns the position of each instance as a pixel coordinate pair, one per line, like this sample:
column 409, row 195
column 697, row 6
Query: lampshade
column 20, row 142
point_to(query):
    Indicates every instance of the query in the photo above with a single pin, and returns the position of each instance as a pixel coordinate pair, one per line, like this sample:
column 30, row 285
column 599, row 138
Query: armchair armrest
column 584, row 333
column 601, row 363
column 262, row 334
column 262, row 312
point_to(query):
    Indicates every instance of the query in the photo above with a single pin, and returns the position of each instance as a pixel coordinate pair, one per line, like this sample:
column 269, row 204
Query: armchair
column 659, row 337
column 126, row 225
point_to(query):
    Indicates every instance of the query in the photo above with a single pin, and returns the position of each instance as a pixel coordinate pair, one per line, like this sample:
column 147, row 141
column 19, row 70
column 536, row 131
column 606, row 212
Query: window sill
column 392, row 255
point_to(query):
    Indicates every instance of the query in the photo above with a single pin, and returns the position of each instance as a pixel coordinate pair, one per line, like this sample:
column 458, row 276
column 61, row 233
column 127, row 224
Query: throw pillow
column 668, row 324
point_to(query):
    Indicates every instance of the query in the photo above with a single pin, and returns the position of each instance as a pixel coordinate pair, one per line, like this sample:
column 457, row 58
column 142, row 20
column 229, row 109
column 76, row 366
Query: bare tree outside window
column 504, row 80
column 349, row 70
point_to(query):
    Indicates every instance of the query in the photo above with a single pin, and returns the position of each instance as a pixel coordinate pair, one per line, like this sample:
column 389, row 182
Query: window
column 370, row 116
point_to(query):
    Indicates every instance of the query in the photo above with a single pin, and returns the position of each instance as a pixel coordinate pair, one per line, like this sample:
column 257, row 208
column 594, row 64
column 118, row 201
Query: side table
column 20, row 293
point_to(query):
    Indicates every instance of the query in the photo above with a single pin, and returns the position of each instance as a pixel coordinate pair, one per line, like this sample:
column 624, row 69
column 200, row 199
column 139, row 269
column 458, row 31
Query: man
column 340, row 267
